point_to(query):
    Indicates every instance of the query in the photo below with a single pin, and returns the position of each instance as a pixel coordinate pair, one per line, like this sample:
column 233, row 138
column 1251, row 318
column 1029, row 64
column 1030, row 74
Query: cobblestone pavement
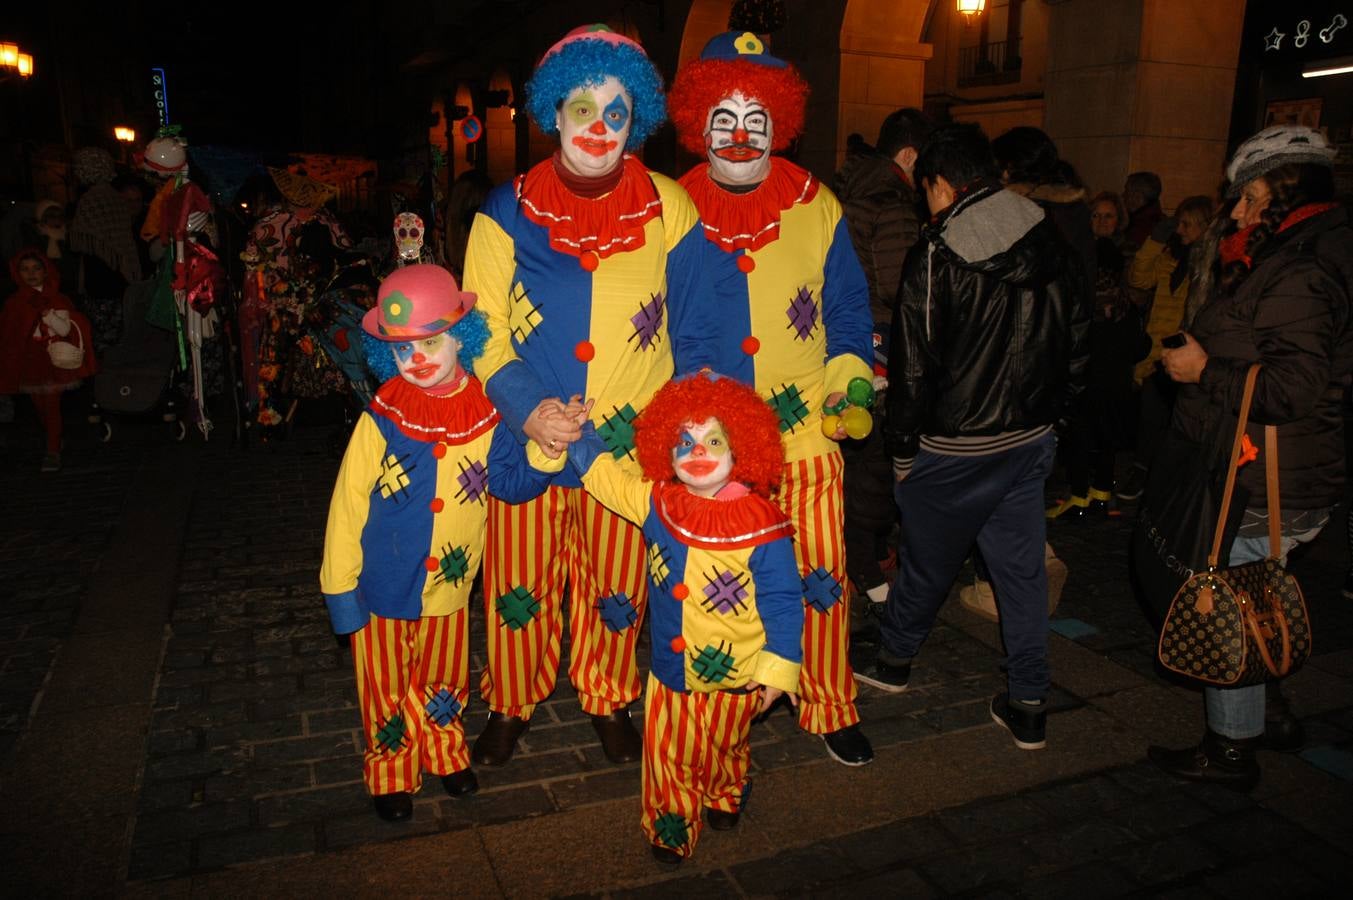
column 253, row 753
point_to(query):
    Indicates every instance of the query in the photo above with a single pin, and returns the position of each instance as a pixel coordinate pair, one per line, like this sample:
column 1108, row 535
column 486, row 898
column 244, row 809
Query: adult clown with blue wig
column 592, row 272
column 405, row 535
column 794, row 322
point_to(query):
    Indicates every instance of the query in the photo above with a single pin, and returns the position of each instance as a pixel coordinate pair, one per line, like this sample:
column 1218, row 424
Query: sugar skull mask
column 738, row 140
column 409, row 236
column 594, row 124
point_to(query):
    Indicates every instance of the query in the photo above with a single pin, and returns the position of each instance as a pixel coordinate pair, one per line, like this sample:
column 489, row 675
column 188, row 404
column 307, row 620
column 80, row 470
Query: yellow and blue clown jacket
column 794, row 320
column 405, row 534
column 603, row 298
column 726, row 602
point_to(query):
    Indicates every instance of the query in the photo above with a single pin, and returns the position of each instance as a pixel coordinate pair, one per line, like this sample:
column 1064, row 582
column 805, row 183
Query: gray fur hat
column 1276, row 146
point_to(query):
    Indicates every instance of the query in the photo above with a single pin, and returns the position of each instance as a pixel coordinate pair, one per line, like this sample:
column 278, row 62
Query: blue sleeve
column 516, row 392
column 583, row 452
column 347, row 612
column 692, row 302
column 845, row 300
column 779, row 597
column 512, row 478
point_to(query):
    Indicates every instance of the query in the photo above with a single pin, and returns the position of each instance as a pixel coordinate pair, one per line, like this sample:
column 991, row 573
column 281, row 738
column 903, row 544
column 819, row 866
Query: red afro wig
column 702, row 84
column 752, row 427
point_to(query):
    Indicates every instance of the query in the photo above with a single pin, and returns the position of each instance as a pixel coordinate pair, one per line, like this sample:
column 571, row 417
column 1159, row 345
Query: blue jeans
column 947, row 503
column 1238, row 713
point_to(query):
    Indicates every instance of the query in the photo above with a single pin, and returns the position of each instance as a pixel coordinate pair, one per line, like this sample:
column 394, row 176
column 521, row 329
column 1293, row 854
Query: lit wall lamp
column 124, row 134
column 13, row 57
column 25, row 65
column 971, row 8
column 1341, row 66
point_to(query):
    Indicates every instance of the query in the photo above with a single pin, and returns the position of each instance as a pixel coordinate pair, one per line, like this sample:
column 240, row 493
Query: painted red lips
column 699, row 468
column 594, row 147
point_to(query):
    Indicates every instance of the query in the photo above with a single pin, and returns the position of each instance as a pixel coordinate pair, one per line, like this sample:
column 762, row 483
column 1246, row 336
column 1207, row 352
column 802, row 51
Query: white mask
column 737, row 141
column 702, row 458
column 594, row 124
column 409, row 236
column 427, row 362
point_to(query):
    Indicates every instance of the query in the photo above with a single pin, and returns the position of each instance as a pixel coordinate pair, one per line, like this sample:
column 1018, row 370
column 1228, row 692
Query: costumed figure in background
column 405, row 536
column 409, row 236
column 794, row 322
column 593, row 275
column 46, row 346
column 103, row 234
column 726, row 622
column 180, row 217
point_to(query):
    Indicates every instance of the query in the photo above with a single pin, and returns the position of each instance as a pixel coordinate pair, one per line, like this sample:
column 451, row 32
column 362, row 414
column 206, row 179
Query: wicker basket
column 64, row 354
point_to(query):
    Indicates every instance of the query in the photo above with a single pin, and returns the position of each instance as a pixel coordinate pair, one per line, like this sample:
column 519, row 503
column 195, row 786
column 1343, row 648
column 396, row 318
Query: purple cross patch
column 647, row 321
column 802, row 314
column 724, row 592
column 473, row 479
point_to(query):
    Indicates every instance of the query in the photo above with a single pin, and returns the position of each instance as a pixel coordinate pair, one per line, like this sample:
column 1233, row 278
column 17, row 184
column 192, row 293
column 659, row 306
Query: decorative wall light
column 971, row 8
column 13, row 57
column 124, row 134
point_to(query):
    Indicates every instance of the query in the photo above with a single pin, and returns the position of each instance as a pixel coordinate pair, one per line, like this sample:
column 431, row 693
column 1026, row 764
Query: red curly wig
column 752, row 427
column 702, row 84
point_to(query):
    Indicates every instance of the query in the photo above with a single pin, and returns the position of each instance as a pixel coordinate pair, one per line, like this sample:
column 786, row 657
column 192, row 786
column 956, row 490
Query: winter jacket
column 991, row 330
column 880, row 208
column 1150, row 271
column 1066, row 206
column 1292, row 315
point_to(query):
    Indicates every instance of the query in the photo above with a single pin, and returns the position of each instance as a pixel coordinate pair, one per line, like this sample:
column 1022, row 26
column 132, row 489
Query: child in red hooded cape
column 34, row 317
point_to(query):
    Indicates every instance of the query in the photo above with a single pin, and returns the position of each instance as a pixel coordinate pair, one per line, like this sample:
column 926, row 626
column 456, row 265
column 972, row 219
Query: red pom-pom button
column 746, row 263
column 437, row 504
column 584, row 351
column 589, row 261
column 680, row 592
column 750, row 345
column 439, row 450
column 678, row 644
column 431, row 564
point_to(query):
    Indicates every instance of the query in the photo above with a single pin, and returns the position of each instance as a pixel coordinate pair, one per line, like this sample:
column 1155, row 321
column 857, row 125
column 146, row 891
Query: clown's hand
column 550, row 427
column 832, row 424
column 769, row 695
column 577, row 411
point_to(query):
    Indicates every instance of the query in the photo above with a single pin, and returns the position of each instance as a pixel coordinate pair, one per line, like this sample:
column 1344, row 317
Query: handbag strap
column 1275, row 512
column 1243, row 418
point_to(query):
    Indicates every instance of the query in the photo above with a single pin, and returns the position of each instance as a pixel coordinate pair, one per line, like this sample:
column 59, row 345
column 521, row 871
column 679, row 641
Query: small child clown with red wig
column 726, row 602
column 405, row 535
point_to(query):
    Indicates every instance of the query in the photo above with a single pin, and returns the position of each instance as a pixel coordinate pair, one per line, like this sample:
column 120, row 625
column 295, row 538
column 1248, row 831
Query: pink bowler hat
column 417, row 301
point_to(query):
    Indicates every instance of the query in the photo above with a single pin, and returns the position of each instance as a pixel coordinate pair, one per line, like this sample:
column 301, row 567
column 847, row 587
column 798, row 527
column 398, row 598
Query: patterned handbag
column 1245, row 624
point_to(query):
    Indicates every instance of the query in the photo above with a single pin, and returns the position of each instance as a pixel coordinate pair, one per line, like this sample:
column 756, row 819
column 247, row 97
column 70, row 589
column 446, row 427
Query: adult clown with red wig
column 593, row 275
column 794, row 322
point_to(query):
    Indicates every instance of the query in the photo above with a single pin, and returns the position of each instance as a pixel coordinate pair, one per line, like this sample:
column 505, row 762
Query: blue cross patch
column 616, row 611
column 442, row 708
column 820, row 590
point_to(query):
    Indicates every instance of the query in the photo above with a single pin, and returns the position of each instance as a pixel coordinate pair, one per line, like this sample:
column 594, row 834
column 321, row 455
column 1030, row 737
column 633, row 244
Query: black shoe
column 865, row 619
column 849, row 746
column 619, row 741
column 461, row 784
column 394, row 807
column 718, row 820
column 885, row 672
column 1026, row 722
column 1217, row 760
column 498, row 740
column 666, row 855
column 1133, row 484
column 1283, row 731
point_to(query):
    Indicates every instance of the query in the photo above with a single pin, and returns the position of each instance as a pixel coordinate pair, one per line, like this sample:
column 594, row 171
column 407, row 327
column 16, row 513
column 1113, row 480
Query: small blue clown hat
column 742, row 45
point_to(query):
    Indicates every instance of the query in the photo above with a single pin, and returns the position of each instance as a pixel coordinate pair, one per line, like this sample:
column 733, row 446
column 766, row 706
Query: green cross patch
column 517, row 608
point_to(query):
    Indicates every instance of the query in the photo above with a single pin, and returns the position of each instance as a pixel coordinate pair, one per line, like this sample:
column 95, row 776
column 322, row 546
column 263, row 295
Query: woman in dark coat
column 1283, row 302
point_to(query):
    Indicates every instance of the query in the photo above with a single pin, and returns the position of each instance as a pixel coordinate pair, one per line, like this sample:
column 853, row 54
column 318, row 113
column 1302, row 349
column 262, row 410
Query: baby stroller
column 136, row 374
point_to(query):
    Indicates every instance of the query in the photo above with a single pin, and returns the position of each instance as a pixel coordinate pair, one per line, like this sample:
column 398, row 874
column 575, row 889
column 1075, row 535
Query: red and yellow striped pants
column 696, row 756
column 811, row 495
column 413, row 682
column 563, row 537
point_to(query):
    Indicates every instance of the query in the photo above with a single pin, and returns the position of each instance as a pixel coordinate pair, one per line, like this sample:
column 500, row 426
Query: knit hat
column 415, row 302
column 1274, row 147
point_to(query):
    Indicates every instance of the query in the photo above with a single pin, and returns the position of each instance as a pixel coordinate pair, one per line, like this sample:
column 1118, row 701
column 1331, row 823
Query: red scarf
column 1235, row 247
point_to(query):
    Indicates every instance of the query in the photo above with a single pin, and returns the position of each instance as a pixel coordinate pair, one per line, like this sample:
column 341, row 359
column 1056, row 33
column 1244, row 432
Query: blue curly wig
column 589, row 62
column 472, row 332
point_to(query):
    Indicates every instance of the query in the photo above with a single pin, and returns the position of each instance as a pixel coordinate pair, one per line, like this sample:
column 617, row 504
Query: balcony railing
column 995, row 63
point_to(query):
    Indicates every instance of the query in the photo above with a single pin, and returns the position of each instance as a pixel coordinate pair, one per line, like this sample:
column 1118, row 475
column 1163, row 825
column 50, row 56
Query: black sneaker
column 1133, row 485
column 885, row 672
column 849, row 746
column 1026, row 722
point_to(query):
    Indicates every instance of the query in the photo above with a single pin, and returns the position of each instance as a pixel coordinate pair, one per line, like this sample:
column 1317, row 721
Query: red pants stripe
column 413, row 683
column 696, row 756
column 811, row 495
column 564, row 537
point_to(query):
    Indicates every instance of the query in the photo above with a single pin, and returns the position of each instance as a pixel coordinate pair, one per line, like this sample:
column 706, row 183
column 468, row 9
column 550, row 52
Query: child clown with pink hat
column 405, row 535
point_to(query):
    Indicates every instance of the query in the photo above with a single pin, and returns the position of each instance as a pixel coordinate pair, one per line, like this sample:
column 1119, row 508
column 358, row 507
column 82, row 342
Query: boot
column 1102, row 501
column 1220, row 760
column 1072, row 507
column 1282, row 730
column 979, row 599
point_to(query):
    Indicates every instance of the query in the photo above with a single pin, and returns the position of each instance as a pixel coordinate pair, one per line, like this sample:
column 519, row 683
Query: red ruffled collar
column 748, row 221
column 455, row 418
column 713, row 524
column 613, row 223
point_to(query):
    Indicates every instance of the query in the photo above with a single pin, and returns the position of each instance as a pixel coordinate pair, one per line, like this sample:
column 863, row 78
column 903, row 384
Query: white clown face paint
column 594, row 123
column 428, row 362
column 737, row 141
column 702, row 458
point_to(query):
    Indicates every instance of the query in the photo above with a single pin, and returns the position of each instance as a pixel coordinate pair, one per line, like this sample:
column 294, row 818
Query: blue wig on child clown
column 471, row 332
column 588, row 63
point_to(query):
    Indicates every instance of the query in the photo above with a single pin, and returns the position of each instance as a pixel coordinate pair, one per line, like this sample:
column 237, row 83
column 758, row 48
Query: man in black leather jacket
column 989, row 344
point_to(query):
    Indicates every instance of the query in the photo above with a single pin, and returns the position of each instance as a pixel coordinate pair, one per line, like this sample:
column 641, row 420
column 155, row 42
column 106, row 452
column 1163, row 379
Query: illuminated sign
column 161, row 86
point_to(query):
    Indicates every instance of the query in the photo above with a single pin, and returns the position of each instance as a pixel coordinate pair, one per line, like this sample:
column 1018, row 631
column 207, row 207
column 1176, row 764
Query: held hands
column 769, row 695
column 1185, row 364
column 554, row 426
